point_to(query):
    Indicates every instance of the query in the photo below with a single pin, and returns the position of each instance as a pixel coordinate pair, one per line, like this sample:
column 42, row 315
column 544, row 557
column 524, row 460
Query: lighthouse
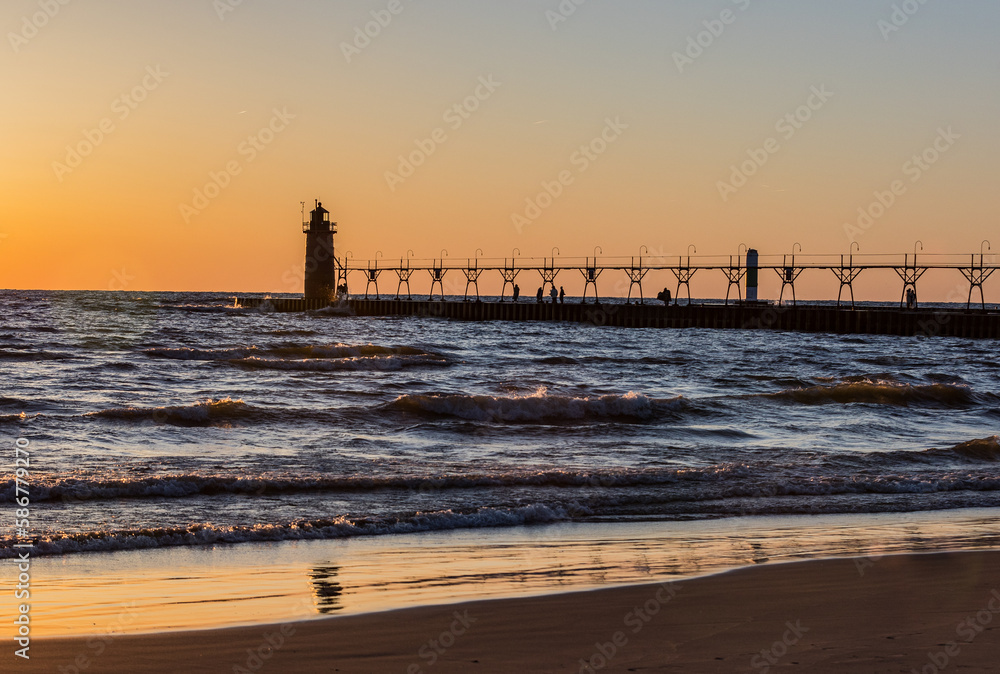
column 321, row 264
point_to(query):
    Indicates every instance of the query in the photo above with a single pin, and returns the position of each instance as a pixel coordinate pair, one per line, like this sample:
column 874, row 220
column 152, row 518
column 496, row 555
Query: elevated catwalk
column 739, row 270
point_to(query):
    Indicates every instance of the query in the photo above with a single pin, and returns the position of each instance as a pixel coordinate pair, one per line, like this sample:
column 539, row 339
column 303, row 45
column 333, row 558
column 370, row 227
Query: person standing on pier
column 517, row 292
column 562, row 295
column 538, row 295
column 553, row 294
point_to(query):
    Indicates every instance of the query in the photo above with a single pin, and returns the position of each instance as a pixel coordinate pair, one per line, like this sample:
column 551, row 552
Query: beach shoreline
column 189, row 588
column 893, row 613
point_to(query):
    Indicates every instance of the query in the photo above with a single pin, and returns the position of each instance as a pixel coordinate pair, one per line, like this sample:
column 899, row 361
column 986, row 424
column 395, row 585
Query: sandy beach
column 900, row 613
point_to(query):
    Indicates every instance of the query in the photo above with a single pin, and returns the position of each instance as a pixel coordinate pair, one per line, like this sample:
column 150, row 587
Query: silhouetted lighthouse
column 321, row 264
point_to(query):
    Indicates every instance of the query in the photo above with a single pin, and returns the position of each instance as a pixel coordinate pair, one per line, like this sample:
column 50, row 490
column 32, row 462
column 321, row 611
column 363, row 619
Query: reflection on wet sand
column 326, row 589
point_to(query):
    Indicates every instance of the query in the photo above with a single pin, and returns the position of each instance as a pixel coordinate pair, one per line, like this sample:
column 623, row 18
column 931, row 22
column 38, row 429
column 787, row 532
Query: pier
column 869, row 321
column 328, row 280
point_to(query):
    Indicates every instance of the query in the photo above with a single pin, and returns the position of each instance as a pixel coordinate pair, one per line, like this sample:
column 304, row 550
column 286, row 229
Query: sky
column 149, row 145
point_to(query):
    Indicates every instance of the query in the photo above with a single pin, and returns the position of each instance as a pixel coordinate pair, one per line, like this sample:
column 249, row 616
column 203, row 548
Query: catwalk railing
column 976, row 268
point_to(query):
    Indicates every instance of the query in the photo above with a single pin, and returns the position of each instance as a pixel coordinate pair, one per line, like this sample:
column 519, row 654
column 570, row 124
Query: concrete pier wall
column 881, row 321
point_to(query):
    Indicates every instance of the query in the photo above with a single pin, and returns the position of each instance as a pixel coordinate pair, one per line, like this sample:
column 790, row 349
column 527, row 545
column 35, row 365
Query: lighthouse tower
column 321, row 264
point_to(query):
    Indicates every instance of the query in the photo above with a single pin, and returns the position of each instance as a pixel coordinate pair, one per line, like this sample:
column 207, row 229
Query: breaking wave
column 331, row 358
column 328, row 351
column 880, row 393
column 985, row 449
column 181, row 486
column 207, row 413
column 320, row 529
column 539, row 406
column 339, row 309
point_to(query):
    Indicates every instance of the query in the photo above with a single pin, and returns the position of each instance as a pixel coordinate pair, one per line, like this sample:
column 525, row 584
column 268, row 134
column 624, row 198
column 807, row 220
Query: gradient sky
column 115, row 219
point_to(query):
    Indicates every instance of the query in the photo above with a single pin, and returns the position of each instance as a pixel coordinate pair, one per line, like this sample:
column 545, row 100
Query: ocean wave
column 756, row 493
column 984, row 449
column 32, row 355
column 868, row 484
column 293, row 333
column 333, row 351
column 537, row 407
column 340, row 309
column 645, row 360
column 361, row 363
column 183, row 486
column 319, row 529
column 201, row 354
column 880, row 392
column 205, row 308
column 348, row 351
column 206, row 413
column 558, row 360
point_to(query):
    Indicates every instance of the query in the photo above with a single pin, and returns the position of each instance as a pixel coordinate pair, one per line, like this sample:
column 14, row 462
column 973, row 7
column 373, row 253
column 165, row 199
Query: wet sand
column 927, row 613
column 193, row 588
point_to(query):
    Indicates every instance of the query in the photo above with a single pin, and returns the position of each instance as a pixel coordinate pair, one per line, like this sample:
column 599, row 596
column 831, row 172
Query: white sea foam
column 539, row 406
column 199, row 413
column 340, row 527
column 360, row 363
column 318, row 358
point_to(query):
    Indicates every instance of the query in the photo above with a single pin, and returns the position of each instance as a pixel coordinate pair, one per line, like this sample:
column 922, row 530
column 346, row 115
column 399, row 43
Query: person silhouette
column 538, row 295
column 517, row 292
column 562, row 295
column 554, row 294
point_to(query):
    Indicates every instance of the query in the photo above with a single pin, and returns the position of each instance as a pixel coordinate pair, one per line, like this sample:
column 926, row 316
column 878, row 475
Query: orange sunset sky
column 118, row 115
